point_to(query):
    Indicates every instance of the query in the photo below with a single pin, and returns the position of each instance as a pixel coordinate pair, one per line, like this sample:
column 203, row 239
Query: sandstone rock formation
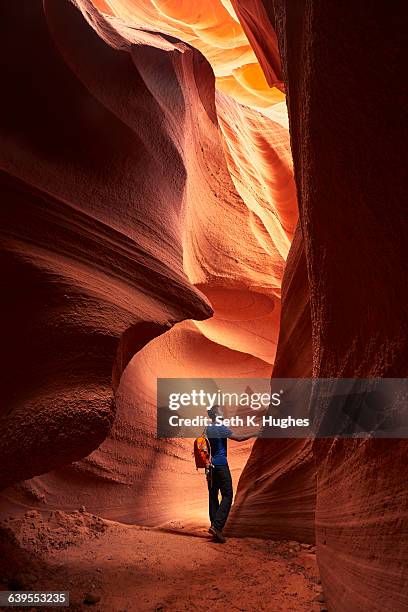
column 90, row 251
column 213, row 28
column 213, row 169
column 277, row 490
column 147, row 184
column 351, row 187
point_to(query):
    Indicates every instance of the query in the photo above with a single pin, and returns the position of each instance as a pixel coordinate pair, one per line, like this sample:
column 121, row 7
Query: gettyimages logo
column 284, row 407
column 200, row 397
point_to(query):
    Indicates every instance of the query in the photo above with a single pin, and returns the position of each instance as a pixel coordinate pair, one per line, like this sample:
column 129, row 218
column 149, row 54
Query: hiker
column 219, row 475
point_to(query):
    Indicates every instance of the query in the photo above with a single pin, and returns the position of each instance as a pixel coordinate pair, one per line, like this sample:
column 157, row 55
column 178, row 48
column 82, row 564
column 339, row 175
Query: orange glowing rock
column 201, row 201
column 213, row 28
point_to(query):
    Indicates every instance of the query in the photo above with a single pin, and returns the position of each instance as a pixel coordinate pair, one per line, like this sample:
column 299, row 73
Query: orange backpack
column 202, row 452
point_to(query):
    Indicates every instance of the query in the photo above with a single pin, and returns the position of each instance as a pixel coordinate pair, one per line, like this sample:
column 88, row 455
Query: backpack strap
column 208, row 443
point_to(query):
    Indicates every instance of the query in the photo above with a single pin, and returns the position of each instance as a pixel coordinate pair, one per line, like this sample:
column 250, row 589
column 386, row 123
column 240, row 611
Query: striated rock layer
column 276, row 495
column 347, row 146
column 213, row 28
column 118, row 163
column 199, row 206
column 90, row 250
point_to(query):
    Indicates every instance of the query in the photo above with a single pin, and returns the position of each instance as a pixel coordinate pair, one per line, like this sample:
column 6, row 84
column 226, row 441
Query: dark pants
column 221, row 481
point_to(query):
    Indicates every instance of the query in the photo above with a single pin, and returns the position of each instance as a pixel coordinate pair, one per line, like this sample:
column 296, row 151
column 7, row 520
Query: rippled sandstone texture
column 113, row 263
column 90, row 250
column 159, row 187
column 276, row 495
column 213, row 28
column 348, row 145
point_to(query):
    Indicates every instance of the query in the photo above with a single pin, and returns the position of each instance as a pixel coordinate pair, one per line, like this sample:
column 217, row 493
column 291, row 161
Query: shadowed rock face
column 162, row 195
column 117, row 165
column 347, row 146
column 276, row 495
column 91, row 252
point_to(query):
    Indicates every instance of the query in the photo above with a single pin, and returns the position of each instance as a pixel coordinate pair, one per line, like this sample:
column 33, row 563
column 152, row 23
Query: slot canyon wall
column 129, row 131
column 277, row 489
column 94, row 270
column 126, row 114
column 343, row 63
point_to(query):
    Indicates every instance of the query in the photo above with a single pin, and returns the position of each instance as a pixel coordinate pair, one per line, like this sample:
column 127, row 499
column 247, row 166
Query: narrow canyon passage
column 160, row 219
column 111, row 566
column 236, row 218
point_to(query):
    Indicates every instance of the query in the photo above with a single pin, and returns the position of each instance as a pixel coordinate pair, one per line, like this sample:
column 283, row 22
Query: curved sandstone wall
column 184, row 192
column 347, row 146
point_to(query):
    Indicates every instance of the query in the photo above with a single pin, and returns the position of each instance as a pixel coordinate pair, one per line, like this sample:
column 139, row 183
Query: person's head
column 214, row 412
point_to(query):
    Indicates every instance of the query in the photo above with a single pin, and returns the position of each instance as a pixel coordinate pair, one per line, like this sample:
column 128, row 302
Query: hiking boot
column 217, row 534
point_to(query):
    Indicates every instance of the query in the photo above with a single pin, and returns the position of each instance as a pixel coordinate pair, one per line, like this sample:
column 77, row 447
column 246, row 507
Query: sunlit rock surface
column 276, row 496
column 207, row 220
column 213, row 28
column 138, row 191
column 89, row 249
column 352, row 186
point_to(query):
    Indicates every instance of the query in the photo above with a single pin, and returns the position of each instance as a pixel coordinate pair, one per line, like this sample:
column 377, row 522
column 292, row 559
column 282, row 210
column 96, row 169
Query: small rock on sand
column 91, row 598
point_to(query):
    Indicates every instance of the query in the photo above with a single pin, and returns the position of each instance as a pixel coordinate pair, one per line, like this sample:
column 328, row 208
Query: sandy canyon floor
column 108, row 566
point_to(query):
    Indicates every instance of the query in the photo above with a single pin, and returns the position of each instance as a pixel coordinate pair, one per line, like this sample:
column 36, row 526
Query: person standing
column 219, row 476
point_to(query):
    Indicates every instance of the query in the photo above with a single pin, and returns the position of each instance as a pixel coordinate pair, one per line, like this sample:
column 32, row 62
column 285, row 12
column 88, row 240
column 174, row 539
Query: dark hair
column 212, row 412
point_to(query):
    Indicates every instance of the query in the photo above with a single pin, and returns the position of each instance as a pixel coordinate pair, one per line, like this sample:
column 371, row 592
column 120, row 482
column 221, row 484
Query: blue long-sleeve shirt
column 217, row 435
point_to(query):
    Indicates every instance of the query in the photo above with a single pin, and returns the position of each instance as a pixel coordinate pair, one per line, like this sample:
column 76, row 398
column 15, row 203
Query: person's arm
column 242, row 438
